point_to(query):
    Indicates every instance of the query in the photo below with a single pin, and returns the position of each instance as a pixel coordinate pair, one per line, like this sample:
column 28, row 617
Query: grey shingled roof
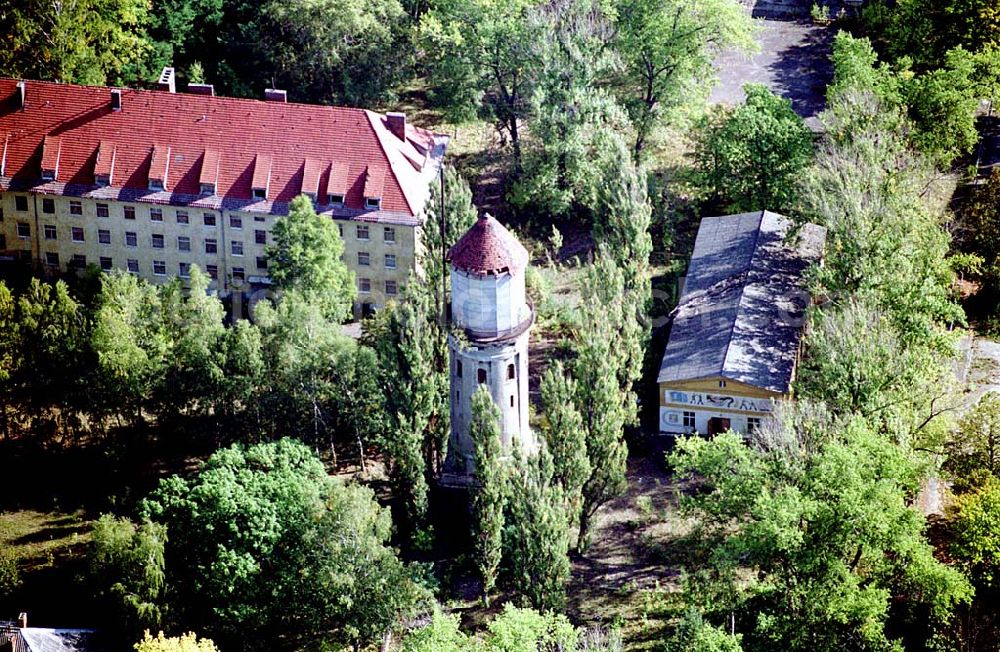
column 742, row 310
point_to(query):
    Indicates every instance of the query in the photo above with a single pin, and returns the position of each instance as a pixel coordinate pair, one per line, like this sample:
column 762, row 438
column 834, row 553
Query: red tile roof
column 211, row 138
column 488, row 248
column 159, row 164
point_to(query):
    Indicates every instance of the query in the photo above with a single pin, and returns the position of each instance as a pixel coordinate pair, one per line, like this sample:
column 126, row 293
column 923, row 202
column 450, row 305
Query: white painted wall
column 487, row 303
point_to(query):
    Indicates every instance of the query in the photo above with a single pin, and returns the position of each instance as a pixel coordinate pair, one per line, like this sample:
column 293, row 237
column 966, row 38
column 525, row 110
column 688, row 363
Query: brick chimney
column 22, row 620
column 397, row 124
column 275, row 95
column 167, row 82
column 202, row 89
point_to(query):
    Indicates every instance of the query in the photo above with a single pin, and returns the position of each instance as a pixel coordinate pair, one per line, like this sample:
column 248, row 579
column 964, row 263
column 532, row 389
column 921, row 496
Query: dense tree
column 807, row 536
column 749, row 158
column 489, row 488
column 440, row 234
column 184, row 643
column 978, row 230
column 262, row 540
column 667, row 48
column 973, row 454
column 565, row 438
column 306, row 257
column 974, row 526
column 693, row 634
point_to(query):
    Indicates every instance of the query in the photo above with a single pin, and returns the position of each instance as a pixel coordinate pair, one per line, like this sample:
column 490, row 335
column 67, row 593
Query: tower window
column 458, row 368
column 722, row 383
column 481, row 376
column 512, row 400
column 510, row 372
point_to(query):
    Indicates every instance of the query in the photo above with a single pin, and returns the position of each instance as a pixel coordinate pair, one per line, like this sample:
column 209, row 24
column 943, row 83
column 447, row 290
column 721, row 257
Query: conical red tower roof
column 488, row 248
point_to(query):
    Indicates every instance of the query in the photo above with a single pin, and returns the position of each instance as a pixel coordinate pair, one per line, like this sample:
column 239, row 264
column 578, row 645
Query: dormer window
column 156, row 184
column 336, row 200
column 159, row 167
column 102, row 180
column 207, row 189
column 261, row 176
column 373, row 202
column 260, row 193
column 51, row 149
column 48, row 175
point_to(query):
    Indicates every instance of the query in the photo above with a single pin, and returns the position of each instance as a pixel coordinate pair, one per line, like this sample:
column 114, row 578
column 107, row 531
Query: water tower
column 492, row 317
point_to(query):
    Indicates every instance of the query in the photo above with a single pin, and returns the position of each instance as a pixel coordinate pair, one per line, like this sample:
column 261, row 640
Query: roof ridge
column 743, row 289
column 382, row 145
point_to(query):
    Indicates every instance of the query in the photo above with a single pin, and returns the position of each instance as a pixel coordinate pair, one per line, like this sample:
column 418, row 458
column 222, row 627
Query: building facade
column 735, row 334
column 490, row 310
column 153, row 182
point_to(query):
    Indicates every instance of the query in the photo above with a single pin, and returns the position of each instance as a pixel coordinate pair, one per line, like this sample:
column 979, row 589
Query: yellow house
column 735, row 335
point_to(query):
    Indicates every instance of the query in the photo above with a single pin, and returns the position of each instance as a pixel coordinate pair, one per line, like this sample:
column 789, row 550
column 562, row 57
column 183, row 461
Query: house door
column 717, row 426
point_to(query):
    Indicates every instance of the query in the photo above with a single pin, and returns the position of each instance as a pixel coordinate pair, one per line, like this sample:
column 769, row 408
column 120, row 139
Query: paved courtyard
column 793, row 61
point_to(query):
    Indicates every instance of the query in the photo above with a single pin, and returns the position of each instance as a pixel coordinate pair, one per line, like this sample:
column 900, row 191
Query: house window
column 261, row 262
column 512, row 400
column 51, row 259
column 156, row 214
column 688, row 419
column 211, row 246
column 182, row 217
column 48, row 205
column 132, row 265
column 20, row 203
column 160, row 267
column 75, row 208
column 49, row 231
column 510, row 372
column 458, row 368
column 212, row 271
column 77, row 234
column 259, row 193
column 236, row 246
column 1, row 213
column 183, row 243
column 156, row 184
column 481, row 376
column 340, row 228
column 260, row 236
column 391, row 288
column 106, row 263
column 389, row 234
column 102, row 210
column 23, row 230
column 104, row 236
column 390, row 261
column 364, row 285
column 239, row 273
column 235, row 222
column 131, row 239
column 722, row 383
column 259, row 218
column 373, row 202
column 128, row 212
column 337, row 200
column 753, row 425
column 78, row 261
column 207, row 188
column 364, row 259
column 362, row 232
column 3, row 241
column 208, row 219
column 157, row 240
column 184, row 270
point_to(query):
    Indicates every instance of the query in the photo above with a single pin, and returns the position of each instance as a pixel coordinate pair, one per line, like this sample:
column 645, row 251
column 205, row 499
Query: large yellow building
column 734, row 340
column 156, row 181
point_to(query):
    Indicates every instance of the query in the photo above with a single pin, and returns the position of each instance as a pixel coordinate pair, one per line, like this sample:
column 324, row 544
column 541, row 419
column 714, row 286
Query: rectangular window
column 207, row 188
column 389, row 234
column 261, row 262
column 104, row 236
column 128, row 212
column 391, row 288
column 208, row 219
column 78, row 261
column 106, row 263
column 160, row 267
column 49, row 231
column 3, row 240
column 212, row 271
column 458, row 368
column 753, row 425
column 182, row 217
column 390, row 261
column 260, row 236
column 23, row 230
column 239, row 273
column 259, row 193
column 373, row 202
column 183, row 243
column 337, row 200
column 156, row 184
column 77, row 234
column 689, row 419
column 156, row 240
column 235, row 222
column 20, row 203
column 156, row 214
column 236, row 246
column 340, row 228
column 48, row 205
column 362, row 232
column 364, row 259
column 364, row 285
column 131, row 239
column 51, row 259
column 1, row 213
column 184, row 270
column 132, row 265
column 259, row 218
column 102, row 210
column 75, row 207
column 481, row 377
column 211, row 246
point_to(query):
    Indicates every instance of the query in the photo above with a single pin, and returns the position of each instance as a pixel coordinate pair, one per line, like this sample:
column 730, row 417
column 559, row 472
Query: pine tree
column 565, row 437
column 488, row 491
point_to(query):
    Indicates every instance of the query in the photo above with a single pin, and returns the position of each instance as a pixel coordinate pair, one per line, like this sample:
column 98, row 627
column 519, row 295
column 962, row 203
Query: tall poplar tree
column 488, row 489
column 565, row 437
